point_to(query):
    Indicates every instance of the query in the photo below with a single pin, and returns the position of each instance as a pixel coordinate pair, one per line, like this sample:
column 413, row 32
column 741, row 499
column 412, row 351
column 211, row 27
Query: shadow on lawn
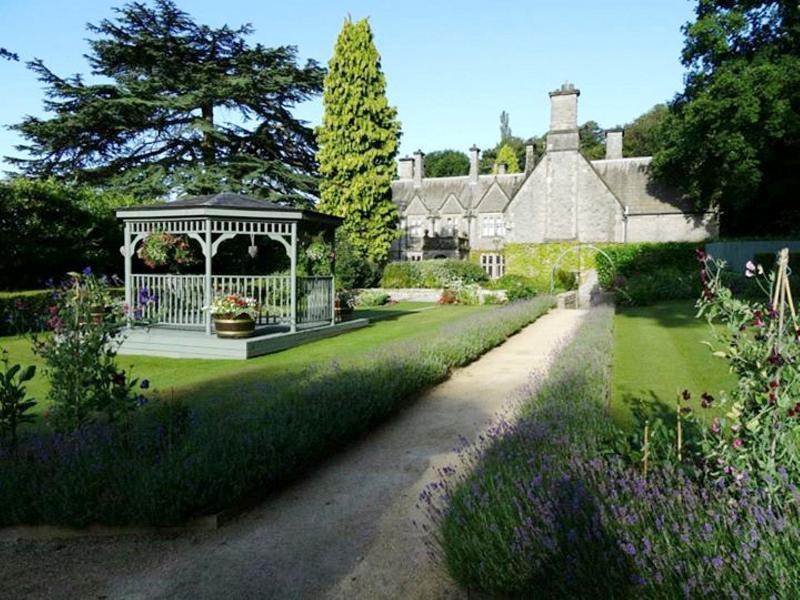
column 374, row 314
column 678, row 313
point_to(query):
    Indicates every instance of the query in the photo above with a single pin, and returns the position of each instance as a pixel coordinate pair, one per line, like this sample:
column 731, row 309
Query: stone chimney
column 405, row 168
column 502, row 169
column 563, row 134
column 419, row 167
column 614, row 143
column 474, row 163
column 529, row 159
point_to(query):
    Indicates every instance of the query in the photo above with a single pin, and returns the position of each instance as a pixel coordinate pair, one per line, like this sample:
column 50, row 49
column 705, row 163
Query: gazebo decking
column 292, row 309
column 182, row 343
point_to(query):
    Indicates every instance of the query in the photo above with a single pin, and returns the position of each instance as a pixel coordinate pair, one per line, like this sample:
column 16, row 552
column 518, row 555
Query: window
column 415, row 227
column 494, row 265
column 449, row 226
column 493, row 226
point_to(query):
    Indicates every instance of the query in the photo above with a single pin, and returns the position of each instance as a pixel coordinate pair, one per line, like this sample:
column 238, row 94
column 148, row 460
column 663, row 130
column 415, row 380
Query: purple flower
column 145, row 384
column 717, row 562
column 87, row 270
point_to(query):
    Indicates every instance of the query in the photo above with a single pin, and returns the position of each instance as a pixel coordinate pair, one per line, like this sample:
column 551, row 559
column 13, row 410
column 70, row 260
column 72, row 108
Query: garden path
column 343, row 531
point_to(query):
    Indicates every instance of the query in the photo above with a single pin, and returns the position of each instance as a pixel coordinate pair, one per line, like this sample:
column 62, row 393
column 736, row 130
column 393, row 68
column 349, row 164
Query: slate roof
column 629, row 180
column 220, row 200
column 435, row 191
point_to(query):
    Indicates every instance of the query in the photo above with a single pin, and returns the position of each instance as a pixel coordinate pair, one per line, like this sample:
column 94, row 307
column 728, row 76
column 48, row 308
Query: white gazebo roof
column 225, row 204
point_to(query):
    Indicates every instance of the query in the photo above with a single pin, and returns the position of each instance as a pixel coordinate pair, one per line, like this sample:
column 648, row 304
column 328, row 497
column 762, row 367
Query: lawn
column 212, row 380
column 658, row 350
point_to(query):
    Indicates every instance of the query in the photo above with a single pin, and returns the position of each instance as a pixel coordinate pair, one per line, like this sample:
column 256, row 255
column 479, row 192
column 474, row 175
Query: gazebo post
column 127, row 251
column 293, row 282
column 207, row 283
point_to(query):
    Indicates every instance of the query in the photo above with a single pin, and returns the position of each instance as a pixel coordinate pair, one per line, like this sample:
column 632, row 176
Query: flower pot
column 236, row 327
column 98, row 313
column 342, row 311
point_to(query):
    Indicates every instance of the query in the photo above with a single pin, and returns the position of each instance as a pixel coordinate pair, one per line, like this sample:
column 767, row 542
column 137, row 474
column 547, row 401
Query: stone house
column 563, row 197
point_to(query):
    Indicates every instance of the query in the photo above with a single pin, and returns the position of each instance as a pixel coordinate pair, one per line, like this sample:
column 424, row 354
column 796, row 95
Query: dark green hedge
column 21, row 312
column 431, row 273
column 649, row 272
column 48, row 229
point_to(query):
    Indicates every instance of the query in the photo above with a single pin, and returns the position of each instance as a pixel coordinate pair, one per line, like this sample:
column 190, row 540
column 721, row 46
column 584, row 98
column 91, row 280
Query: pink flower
column 749, row 269
column 716, row 426
column 738, row 443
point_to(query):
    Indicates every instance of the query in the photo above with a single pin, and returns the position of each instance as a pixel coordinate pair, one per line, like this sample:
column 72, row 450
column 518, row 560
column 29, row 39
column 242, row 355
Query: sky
column 451, row 67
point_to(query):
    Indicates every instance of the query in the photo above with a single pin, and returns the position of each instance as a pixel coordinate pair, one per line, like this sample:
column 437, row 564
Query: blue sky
column 451, row 67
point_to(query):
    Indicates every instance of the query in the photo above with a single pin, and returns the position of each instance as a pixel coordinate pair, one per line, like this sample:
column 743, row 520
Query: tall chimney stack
column 419, row 167
column 614, row 143
column 405, row 168
column 474, row 163
column 529, row 158
column 563, row 134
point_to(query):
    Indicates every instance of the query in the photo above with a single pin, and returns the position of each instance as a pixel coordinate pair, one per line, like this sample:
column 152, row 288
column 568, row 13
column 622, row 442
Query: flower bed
column 174, row 462
column 547, row 508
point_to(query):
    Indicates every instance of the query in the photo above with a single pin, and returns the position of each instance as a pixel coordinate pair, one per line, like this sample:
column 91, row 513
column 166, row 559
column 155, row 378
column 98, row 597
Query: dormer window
column 415, row 226
column 449, row 226
column 493, row 226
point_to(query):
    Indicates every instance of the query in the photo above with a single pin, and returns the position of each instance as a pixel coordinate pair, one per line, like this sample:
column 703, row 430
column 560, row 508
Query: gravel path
column 343, row 531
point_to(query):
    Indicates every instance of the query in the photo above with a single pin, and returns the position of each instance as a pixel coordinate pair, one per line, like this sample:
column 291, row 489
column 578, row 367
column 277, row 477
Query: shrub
column 175, row 463
column 80, row 353
column 372, row 298
column 22, row 312
column 353, row 270
column 517, row 287
column 14, row 401
column 50, row 228
column 545, row 508
column 431, row 273
column 648, row 272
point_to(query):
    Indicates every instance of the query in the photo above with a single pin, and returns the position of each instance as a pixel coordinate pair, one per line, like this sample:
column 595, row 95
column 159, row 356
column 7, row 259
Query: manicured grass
column 658, row 350
column 214, row 380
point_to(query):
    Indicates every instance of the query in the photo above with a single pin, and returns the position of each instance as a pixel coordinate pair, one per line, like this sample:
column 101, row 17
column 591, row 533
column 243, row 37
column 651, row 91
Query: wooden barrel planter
column 342, row 312
column 234, row 328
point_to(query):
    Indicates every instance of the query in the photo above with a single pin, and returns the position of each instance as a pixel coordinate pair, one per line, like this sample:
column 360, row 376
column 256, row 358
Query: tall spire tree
column 177, row 107
column 358, row 143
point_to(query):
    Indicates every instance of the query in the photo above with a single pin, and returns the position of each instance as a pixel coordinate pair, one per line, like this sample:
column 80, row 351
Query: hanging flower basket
column 234, row 315
column 162, row 249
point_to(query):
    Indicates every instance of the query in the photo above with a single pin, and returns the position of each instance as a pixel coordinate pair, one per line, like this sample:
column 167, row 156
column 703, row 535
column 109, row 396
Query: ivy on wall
column 536, row 261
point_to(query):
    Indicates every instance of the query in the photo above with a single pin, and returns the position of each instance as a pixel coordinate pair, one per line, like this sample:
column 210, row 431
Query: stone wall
column 671, row 227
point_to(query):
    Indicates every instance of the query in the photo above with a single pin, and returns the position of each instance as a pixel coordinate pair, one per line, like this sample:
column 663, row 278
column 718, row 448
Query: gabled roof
column 629, row 180
column 494, row 200
column 435, row 191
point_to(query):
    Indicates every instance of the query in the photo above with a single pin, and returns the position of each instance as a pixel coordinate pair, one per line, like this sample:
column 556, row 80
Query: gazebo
column 174, row 304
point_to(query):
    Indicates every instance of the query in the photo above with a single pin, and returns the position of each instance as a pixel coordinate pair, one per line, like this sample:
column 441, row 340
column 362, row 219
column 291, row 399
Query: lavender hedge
column 177, row 462
column 544, row 508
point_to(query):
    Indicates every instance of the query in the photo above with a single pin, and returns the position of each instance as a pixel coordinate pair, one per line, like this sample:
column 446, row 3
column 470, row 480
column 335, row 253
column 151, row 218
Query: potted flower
column 92, row 292
column 343, row 305
column 162, row 249
column 234, row 315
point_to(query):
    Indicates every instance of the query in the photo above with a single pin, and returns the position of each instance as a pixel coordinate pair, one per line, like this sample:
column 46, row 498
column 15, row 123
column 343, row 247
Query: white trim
column 156, row 215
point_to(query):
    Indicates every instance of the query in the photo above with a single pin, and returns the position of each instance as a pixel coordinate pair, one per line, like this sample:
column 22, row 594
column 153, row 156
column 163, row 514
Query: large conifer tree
column 358, row 143
column 176, row 107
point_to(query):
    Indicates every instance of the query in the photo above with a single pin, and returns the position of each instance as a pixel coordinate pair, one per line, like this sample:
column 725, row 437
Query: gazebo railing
column 178, row 300
column 314, row 299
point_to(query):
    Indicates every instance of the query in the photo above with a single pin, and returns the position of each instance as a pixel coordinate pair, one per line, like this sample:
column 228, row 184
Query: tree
column 153, row 122
column 644, row 135
column 446, row 163
column 732, row 137
column 592, row 140
column 358, row 143
column 8, row 55
column 506, row 156
column 505, row 128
